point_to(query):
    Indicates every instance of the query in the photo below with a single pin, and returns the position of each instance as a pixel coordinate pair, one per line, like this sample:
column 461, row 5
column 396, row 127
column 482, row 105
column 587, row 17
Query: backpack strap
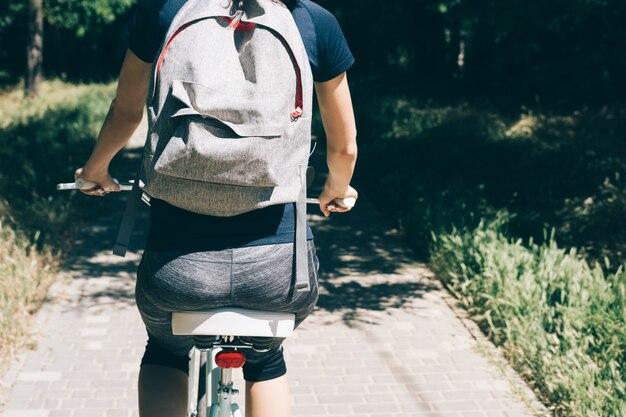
column 302, row 262
column 128, row 219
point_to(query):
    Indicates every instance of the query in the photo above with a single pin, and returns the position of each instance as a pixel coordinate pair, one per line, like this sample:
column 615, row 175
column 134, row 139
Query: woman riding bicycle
column 195, row 261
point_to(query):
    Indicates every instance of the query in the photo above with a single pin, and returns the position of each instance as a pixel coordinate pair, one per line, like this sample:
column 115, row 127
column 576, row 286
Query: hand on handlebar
column 103, row 182
column 328, row 196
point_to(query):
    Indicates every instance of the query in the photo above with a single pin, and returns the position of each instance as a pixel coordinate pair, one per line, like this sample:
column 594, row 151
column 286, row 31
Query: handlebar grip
column 79, row 184
column 83, row 184
column 347, row 202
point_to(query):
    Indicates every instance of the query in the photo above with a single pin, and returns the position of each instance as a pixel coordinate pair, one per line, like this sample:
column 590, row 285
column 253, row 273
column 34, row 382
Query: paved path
column 384, row 340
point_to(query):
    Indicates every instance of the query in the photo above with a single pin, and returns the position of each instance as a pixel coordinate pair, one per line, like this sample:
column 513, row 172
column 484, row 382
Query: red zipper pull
column 296, row 113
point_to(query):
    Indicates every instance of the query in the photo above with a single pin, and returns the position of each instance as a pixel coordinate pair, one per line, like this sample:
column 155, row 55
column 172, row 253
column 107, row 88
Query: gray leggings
column 256, row 277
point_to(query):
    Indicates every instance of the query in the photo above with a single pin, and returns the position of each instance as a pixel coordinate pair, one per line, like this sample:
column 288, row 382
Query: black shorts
column 256, row 277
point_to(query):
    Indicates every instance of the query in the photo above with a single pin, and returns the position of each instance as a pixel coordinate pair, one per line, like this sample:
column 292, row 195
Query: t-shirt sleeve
column 334, row 56
column 141, row 34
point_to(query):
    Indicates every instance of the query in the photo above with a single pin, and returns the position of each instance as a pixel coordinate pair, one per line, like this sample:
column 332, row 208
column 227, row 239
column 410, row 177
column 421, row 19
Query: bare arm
column 338, row 118
column 122, row 120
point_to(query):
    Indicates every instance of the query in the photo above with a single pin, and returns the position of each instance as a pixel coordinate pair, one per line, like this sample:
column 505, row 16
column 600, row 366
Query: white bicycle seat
column 233, row 322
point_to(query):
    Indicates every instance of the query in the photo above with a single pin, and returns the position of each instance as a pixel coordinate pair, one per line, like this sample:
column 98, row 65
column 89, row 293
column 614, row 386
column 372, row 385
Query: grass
column 25, row 276
column 42, row 141
column 475, row 189
column 560, row 322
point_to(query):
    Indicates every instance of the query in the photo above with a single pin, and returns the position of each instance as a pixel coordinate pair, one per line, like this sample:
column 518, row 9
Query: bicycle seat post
column 227, row 360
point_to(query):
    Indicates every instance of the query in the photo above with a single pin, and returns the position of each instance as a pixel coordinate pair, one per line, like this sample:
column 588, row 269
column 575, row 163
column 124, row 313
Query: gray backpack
column 229, row 111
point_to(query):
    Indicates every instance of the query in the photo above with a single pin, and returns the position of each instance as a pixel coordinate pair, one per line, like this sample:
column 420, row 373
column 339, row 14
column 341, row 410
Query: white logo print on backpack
column 229, row 111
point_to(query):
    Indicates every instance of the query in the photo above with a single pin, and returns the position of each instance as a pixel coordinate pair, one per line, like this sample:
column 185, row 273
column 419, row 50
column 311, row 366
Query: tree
column 34, row 49
column 77, row 30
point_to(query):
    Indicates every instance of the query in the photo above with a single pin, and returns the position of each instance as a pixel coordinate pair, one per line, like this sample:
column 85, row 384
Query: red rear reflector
column 230, row 359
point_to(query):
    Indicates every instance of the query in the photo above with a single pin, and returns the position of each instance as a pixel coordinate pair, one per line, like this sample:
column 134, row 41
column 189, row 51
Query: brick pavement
column 384, row 340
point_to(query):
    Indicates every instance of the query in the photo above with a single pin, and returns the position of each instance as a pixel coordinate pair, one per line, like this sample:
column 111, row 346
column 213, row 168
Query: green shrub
column 561, row 322
column 41, row 142
column 438, row 165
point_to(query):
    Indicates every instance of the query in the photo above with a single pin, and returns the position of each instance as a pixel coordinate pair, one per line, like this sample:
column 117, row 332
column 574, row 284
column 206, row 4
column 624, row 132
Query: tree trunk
column 34, row 49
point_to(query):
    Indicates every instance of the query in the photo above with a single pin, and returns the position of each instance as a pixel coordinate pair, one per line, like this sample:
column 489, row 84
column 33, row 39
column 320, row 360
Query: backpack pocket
column 222, row 138
column 246, row 112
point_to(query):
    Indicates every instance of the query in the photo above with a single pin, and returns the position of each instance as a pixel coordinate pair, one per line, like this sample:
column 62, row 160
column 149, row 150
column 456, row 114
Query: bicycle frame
column 214, row 383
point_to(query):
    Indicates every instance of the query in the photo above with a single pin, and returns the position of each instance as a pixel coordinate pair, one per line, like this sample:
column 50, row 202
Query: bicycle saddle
column 233, row 321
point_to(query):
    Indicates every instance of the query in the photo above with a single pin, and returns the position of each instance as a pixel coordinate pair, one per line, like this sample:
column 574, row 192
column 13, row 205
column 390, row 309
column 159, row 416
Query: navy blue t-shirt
column 172, row 228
